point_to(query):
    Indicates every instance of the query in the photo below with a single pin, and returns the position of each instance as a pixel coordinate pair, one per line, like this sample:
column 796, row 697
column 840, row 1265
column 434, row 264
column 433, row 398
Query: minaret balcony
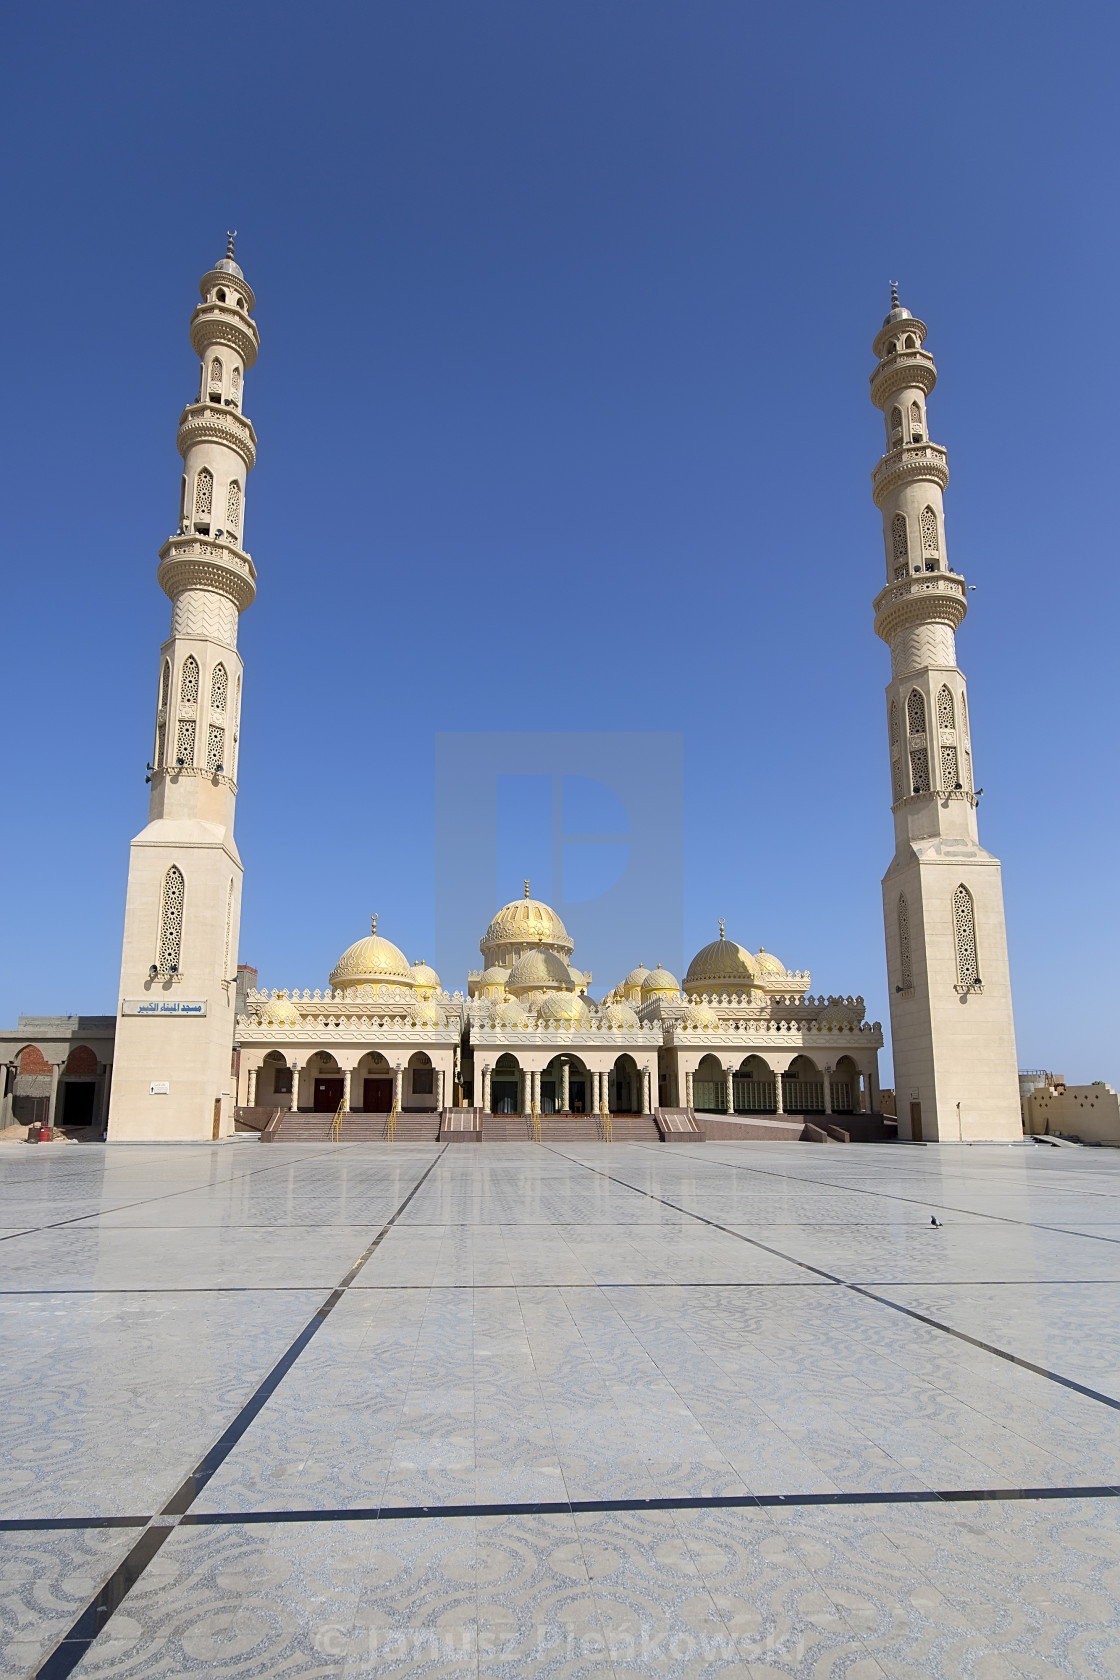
column 219, row 323
column 911, row 461
column 187, row 562
column 205, row 422
column 902, row 372
column 924, row 598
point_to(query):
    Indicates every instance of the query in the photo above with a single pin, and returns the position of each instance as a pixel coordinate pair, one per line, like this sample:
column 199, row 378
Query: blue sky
column 566, row 314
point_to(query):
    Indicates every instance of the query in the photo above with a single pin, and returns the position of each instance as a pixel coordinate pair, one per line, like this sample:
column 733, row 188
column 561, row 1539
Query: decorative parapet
column 923, row 598
column 346, row 1029
column 205, row 422
column 206, row 563
column 911, row 460
column 594, row 1035
column 868, row 1033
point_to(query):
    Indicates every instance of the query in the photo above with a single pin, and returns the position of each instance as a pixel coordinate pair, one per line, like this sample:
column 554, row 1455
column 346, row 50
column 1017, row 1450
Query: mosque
column 195, row 1051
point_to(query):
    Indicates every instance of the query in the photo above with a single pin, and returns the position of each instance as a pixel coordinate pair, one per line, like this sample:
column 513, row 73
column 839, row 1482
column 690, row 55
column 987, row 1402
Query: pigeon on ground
column 936, row 1221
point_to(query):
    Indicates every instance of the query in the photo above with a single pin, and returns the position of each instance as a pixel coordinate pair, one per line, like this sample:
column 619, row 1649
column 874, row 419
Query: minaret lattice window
column 916, row 422
column 900, row 544
column 964, row 922
column 184, row 742
column 931, row 542
column 896, row 425
column 950, row 775
column 171, row 921
column 905, row 962
column 204, row 494
column 946, row 715
column 233, row 505
column 215, row 747
column 219, row 689
column 216, row 374
column 919, row 755
column 894, row 729
column 235, row 382
column 188, row 681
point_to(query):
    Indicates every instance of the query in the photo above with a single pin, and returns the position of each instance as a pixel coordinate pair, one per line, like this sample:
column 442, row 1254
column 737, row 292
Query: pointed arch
column 900, row 539
column 188, row 681
column 235, row 382
column 905, row 961
column 171, row 921
column 915, row 417
column 233, row 505
column 916, row 712
column 203, row 493
column 165, row 683
column 946, row 711
column 931, row 540
column 894, row 729
column 964, row 927
column 896, row 424
column 219, row 688
column 216, row 371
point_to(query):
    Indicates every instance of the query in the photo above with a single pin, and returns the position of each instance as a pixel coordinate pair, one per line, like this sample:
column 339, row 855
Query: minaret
column 177, row 1004
column 950, row 992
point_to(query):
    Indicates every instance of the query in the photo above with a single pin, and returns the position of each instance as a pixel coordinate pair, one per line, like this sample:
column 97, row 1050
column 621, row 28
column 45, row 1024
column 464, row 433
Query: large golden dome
column 525, row 919
column 373, row 960
column 539, row 970
column 722, row 966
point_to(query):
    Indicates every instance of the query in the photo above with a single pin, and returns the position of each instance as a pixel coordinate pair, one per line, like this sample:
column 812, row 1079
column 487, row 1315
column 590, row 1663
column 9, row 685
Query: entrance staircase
column 413, row 1126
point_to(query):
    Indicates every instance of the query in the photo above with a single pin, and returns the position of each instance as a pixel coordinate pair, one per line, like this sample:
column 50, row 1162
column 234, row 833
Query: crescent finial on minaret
column 373, row 923
column 230, row 237
column 526, row 889
column 721, row 927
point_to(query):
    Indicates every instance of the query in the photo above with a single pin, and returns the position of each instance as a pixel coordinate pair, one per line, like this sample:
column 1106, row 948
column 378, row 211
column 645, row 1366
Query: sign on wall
column 163, row 1006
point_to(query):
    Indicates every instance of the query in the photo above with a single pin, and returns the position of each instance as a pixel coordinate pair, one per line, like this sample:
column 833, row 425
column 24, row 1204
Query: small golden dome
column 618, row 1015
column 539, row 970
column 426, row 978
column 700, row 1015
column 509, row 1014
column 280, row 1012
column 425, row 1014
column 768, row 963
column 722, row 966
column 660, row 983
column 372, row 959
column 565, row 1006
column 636, row 979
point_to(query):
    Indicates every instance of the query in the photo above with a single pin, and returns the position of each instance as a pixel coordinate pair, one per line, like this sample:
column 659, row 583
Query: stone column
column 593, row 1091
column 781, row 1107
column 295, row 1088
column 565, row 1103
column 483, row 1078
column 56, row 1070
column 827, row 1077
column 688, row 1094
column 251, row 1089
column 645, row 1091
column 535, row 1090
column 346, row 1074
column 729, row 1096
column 398, row 1087
column 441, row 1082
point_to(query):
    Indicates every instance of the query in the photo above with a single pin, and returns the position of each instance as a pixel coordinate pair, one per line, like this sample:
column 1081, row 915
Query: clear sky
column 566, row 312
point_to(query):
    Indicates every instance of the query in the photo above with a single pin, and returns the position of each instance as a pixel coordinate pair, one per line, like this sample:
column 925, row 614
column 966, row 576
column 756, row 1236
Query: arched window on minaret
column 215, row 747
column 919, row 751
column 233, row 506
column 964, row 925
column 894, row 729
column 917, row 430
column 161, row 716
column 235, row 383
column 946, row 714
column 203, row 494
column 905, row 961
column 931, row 540
column 900, row 545
column 216, row 377
column 171, row 921
column 219, row 689
column 188, row 681
column 165, row 684
column 896, row 425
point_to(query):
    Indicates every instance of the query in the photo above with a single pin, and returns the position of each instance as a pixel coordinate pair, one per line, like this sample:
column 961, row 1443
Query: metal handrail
column 336, row 1123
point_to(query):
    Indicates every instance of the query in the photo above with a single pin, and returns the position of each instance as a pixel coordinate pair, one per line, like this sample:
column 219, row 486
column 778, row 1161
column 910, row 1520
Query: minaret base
column 956, row 1076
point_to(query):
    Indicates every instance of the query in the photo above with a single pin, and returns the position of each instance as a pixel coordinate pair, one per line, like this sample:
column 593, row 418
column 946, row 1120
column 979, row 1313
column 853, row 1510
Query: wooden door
column 328, row 1095
column 377, row 1095
column 915, row 1122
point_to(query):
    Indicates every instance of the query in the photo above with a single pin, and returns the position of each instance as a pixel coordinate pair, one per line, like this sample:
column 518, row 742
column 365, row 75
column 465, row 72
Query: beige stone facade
column 950, row 990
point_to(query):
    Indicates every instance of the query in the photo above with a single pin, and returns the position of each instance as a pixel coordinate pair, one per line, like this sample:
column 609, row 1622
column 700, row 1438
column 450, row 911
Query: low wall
column 1088, row 1112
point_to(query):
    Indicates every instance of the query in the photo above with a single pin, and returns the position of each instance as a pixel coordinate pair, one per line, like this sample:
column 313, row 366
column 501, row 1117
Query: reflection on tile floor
column 554, row 1325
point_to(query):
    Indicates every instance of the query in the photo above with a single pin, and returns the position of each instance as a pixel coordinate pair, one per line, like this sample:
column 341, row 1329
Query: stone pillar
column 781, row 1107
column 56, row 1070
column 688, row 1088
column 729, row 1095
column 645, row 1091
column 398, row 1087
column 565, row 1093
column 483, row 1079
column 535, row 1090
column 346, row 1074
column 251, row 1089
column 441, row 1083
column 295, row 1088
column 827, row 1077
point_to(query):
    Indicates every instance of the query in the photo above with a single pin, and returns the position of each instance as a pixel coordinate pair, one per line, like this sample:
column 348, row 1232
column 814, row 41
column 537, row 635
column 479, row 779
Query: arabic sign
column 163, row 1006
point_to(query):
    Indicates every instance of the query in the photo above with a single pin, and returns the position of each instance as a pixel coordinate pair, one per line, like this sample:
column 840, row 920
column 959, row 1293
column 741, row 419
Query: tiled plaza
column 570, row 1411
